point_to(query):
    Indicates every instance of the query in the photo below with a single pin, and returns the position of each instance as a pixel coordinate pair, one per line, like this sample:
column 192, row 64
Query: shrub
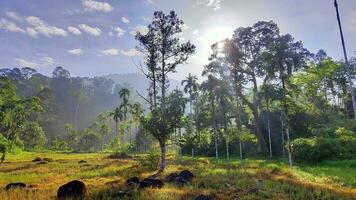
column 150, row 162
column 340, row 145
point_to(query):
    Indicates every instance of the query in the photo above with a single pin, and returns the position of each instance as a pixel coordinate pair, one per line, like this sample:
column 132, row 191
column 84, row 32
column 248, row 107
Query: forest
column 267, row 119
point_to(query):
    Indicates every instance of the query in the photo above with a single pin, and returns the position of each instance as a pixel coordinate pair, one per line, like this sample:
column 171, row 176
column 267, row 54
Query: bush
column 150, row 162
column 340, row 145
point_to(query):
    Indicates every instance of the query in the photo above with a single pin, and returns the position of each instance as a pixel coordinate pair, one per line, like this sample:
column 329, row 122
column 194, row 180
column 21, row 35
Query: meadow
column 222, row 179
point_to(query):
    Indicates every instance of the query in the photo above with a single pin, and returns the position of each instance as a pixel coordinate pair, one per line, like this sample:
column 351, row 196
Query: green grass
column 220, row 178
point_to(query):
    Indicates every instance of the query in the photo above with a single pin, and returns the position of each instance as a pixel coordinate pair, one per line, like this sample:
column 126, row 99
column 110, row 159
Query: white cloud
column 91, row 5
column 14, row 16
column 76, row 52
column 32, row 32
column 119, row 31
column 130, row 52
column 43, row 28
column 110, row 52
column 47, row 61
column 90, row 30
column 74, row 30
column 215, row 4
column 125, row 20
column 44, row 61
column 10, row 26
column 195, row 32
column 25, row 63
column 34, row 21
column 152, row 2
column 139, row 28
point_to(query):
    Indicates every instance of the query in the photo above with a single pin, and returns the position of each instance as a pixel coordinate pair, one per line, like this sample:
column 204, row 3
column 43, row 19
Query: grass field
column 220, row 178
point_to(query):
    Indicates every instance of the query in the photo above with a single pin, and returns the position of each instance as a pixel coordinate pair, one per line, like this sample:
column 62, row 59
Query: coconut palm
column 191, row 86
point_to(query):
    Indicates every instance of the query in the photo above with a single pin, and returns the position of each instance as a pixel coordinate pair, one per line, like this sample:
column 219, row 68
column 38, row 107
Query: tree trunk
column 287, row 123
column 269, row 131
column 227, row 149
column 240, row 147
column 348, row 68
column 162, row 164
column 192, row 152
column 283, row 143
column 216, row 145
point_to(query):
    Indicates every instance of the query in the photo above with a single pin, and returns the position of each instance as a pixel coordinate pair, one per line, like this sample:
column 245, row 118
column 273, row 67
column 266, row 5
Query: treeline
column 56, row 112
column 265, row 94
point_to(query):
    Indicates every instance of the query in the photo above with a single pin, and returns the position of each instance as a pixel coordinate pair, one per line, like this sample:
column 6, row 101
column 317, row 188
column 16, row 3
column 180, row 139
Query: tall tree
column 190, row 87
column 348, row 67
column 163, row 46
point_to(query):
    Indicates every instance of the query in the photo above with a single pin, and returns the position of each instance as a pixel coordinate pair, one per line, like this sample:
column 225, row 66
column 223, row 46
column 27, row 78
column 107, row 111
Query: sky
column 96, row 37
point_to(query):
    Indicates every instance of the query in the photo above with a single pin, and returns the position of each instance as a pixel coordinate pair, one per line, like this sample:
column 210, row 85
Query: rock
column 37, row 159
column 47, row 159
column 15, row 186
column 73, row 189
column 180, row 181
column 119, row 156
column 152, row 183
column 133, row 182
column 204, row 197
column 82, row 161
column 187, row 175
column 171, row 177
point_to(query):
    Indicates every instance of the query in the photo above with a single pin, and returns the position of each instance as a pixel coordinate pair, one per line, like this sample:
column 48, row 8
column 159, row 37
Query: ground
column 222, row 179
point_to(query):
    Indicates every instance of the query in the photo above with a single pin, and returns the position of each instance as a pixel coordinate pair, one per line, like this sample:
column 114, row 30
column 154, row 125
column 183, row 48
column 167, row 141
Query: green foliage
column 150, row 161
column 59, row 145
column 32, row 135
column 340, row 145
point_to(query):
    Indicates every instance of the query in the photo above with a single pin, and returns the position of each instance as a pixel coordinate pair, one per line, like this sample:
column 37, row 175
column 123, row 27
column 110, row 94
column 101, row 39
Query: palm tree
column 224, row 100
column 210, row 86
column 117, row 115
column 124, row 94
column 191, row 86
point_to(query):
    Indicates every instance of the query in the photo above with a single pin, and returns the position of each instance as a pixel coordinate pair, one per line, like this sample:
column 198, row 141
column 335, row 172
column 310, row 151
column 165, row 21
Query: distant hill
column 138, row 81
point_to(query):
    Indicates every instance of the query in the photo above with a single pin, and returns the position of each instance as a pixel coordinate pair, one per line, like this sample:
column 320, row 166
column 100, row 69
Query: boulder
column 187, row 175
column 15, row 186
column 73, row 189
column 82, row 161
column 171, row 177
column 37, row 159
column 180, row 181
column 151, row 183
column 133, row 182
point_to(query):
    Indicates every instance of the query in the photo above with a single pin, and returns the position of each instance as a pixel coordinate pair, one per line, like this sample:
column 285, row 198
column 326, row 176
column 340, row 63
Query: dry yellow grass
column 223, row 180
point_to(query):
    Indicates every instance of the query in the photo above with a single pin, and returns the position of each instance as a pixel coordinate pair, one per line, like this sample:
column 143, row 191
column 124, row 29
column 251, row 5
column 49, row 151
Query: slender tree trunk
column 227, row 149
column 216, row 146
column 215, row 131
column 287, row 123
column 283, row 143
column 162, row 164
column 269, row 131
column 3, row 157
column 348, row 68
column 240, row 148
column 76, row 115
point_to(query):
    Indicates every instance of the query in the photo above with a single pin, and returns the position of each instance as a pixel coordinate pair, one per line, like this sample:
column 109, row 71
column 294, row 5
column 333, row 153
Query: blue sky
column 95, row 37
